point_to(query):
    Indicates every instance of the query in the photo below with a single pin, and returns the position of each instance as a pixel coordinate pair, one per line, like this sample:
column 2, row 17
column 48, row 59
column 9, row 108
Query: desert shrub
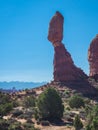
column 83, row 114
column 15, row 103
column 95, row 111
column 11, row 120
column 36, row 114
column 93, row 119
column 76, row 101
column 25, row 116
column 17, row 113
column 95, row 123
column 15, row 126
column 50, row 104
column 68, row 108
column 30, row 112
column 92, row 113
column 29, row 101
column 4, row 124
column 77, row 123
column 8, row 107
column 67, row 92
column 6, row 104
column 87, row 101
column 4, row 98
column 88, row 127
column 88, row 109
column 44, row 123
column 5, row 108
column 29, row 126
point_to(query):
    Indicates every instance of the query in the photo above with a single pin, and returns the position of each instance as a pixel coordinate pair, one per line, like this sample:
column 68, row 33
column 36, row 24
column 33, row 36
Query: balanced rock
column 93, row 57
column 56, row 28
column 64, row 68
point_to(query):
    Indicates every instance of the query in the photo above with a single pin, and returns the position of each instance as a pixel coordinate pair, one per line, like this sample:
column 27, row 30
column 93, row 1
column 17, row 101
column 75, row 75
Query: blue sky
column 25, row 52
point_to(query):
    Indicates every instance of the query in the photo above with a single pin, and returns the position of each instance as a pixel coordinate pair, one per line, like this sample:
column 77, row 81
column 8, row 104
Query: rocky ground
column 23, row 114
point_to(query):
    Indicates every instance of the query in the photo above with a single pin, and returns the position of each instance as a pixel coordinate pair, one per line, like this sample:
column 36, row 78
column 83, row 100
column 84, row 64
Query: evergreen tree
column 50, row 104
column 76, row 101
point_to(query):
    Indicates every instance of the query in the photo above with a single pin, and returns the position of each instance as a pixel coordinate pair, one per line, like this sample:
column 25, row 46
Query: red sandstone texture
column 64, row 68
column 93, row 57
column 56, row 28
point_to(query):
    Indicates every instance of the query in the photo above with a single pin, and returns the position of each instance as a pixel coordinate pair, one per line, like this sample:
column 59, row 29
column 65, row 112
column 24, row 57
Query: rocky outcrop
column 56, row 29
column 93, row 57
column 64, row 68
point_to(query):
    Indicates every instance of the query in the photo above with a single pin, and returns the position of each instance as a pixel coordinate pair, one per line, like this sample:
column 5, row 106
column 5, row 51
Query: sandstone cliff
column 93, row 57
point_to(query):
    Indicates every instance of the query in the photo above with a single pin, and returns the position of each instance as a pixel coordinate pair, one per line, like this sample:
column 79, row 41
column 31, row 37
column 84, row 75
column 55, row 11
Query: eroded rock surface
column 55, row 34
column 64, row 68
column 93, row 57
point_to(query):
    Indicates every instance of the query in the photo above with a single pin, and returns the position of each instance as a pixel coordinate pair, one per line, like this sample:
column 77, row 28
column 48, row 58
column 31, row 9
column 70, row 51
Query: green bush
column 4, row 124
column 88, row 127
column 95, row 123
column 29, row 101
column 95, row 111
column 29, row 126
column 6, row 104
column 93, row 119
column 5, row 108
column 4, row 98
column 24, row 116
column 17, row 113
column 88, row 109
column 36, row 114
column 50, row 104
column 77, row 123
column 15, row 126
column 76, row 101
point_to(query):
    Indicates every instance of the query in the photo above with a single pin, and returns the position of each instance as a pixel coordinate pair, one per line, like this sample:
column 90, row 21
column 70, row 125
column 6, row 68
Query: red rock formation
column 64, row 68
column 93, row 57
column 56, row 29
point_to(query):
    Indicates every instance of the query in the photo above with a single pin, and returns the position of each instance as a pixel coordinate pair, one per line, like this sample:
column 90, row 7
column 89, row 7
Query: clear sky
column 25, row 52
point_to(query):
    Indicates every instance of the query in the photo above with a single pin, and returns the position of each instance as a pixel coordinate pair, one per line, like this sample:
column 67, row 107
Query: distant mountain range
column 19, row 85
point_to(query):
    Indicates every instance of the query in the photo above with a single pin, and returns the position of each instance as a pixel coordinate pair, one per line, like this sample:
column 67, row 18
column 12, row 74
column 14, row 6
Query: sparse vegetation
column 93, row 119
column 15, row 126
column 29, row 101
column 77, row 123
column 76, row 101
column 46, row 108
column 17, row 113
column 6, row 104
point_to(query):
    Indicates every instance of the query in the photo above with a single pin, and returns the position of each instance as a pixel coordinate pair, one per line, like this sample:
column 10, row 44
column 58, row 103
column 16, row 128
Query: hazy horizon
column 20, row 85
column 23, row 81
